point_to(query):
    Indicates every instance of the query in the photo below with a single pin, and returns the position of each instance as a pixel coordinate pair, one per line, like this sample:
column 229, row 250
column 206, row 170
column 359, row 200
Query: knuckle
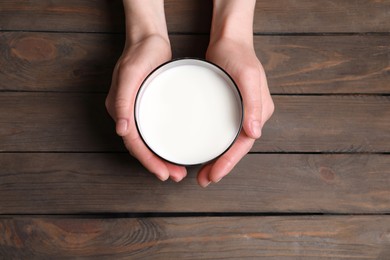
column 250, row 74
column 228, row 162
column 121, row 104
column 261, row 68
column 271, row 107
column 123, row 68
column 107, row 103
column 149, row 157
column 127, row 66
column 109, row 108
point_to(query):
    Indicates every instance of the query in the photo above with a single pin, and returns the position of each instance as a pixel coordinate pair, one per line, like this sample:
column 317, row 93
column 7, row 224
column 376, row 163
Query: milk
column 188, row 111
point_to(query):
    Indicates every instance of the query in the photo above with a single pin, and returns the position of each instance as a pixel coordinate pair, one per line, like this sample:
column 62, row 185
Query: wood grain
column 197, row 238
column 73, row 183
column 57, row 62
column 67, row 62
column 328, row 124
column 74, row 122
column 278, row 16
column 326, row 64
column 294, row 64
column 320, row 153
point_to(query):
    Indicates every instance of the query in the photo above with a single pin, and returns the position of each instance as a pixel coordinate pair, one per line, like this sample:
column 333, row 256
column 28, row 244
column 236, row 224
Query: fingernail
column 121, row 127
column 207, row 184
column 218, row 180
column 256, row 129
column 162, row 178
column 175, row 179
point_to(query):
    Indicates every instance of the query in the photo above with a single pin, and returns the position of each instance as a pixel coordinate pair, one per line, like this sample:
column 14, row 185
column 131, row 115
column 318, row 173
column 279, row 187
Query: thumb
column 128, row 83
column 249, row 84
column 123, row 111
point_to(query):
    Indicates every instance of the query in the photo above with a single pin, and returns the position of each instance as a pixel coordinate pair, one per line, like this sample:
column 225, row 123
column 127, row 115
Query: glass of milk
column 188, row 111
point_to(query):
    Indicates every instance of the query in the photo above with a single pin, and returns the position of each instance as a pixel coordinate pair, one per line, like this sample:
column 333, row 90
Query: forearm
column 233, row 19
column 144, row 18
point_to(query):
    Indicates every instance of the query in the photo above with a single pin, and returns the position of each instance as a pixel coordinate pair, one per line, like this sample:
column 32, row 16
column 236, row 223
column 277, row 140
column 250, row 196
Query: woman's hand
column 147, row 46
column 231, row 47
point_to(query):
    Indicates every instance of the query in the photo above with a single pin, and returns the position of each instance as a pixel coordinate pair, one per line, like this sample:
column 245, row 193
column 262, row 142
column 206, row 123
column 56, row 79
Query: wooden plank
column 278, row 16
column 326, row 64
column 67, row 62
column 62, row 15
column 72, row 183
column 328, row 124
column 75, row 122
column 57, row 62
column 294, row 64
column 317, row 237
column 289, row 16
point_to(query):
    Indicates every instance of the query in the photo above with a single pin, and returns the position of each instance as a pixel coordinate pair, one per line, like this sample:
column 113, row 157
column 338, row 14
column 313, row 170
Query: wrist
column 144, row 18
column 233, row 20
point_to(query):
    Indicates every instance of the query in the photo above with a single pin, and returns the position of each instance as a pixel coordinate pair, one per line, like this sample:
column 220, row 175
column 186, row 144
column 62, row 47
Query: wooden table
column 316, row 186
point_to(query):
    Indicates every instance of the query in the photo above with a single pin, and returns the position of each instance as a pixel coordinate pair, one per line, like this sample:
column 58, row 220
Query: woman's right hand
column 147, row 46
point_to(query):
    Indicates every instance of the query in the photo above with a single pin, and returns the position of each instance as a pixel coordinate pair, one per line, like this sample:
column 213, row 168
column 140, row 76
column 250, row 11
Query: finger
column 268, row 104
column 227, row 161
column 203, row 175
column 249, row 83
column 110, row 99
column 129, row 79
column 176, row 172
column 148, row 159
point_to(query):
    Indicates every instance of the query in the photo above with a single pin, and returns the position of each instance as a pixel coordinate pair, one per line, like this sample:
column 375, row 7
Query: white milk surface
column 189, row 113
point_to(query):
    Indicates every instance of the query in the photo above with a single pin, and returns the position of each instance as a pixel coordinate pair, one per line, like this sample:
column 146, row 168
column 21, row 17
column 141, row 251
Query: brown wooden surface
column 315, row 186
column 198, row 238
column 78, row 122
column 46, row 183
column 294, row 64
column 277, row 16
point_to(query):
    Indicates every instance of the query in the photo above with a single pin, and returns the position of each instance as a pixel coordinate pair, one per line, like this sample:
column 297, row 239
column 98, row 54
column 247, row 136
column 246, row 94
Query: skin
column 147, row 46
